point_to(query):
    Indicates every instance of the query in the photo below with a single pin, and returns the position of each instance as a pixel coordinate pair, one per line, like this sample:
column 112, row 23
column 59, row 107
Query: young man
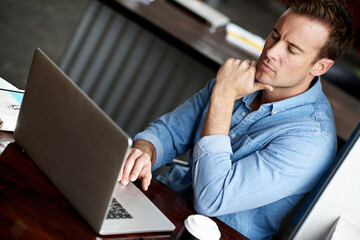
column 256, row 146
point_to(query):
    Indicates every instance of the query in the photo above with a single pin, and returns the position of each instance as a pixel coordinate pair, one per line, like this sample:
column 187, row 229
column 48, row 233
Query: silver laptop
column 81, row 150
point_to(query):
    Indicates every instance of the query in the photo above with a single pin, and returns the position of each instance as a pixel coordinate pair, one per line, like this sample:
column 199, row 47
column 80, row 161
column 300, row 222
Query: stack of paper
column 10, row 101
column 211, row 15
column 244, row 39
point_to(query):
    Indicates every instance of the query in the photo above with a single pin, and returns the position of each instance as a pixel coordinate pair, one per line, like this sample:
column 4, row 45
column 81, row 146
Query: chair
column 334, row 196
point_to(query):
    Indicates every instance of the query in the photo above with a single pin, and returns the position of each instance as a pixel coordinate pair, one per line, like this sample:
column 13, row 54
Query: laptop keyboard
column 117, row 211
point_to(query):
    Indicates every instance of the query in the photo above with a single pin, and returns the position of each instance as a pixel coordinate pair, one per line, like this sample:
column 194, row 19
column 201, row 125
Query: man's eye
column 291, row 50
column 275, row 37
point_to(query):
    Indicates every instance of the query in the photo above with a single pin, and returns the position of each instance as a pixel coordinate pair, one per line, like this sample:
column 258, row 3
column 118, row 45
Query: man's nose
column 274, row 51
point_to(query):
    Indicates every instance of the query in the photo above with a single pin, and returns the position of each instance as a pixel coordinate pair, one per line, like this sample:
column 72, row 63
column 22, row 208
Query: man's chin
column 261, row 77
column 265, row 80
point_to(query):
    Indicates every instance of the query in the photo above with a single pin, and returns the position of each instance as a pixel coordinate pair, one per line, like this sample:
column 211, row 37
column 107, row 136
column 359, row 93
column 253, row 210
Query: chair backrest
column 333, row 196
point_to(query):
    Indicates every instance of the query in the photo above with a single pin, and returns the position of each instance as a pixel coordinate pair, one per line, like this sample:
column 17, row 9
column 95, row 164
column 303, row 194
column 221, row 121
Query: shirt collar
column 307, row 97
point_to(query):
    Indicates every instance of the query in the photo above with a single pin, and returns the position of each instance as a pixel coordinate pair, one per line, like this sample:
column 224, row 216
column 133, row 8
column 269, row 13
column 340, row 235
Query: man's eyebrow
column 290, row 43
column 276, row 31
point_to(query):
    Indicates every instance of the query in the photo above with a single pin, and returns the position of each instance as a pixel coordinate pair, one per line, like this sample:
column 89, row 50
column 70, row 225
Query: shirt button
column 243, row 114
column 274, row 112
column 233, row 135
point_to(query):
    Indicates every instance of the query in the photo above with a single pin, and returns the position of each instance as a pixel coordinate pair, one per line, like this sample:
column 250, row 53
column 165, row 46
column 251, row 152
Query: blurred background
column 49, row 24
column 26, row 25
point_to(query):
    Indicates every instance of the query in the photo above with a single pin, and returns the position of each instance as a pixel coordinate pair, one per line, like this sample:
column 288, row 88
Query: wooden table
column 32, row 208
column 191, row 35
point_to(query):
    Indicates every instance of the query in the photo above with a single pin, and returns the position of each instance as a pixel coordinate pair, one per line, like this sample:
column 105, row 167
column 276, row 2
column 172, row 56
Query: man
column 256, row 146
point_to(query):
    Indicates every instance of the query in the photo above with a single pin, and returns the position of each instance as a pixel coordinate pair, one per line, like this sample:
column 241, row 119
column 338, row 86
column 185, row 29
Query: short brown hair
column 335, row 15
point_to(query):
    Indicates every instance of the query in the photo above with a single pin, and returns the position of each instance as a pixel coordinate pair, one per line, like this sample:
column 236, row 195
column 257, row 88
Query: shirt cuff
column 212, row 144
column 157, row 144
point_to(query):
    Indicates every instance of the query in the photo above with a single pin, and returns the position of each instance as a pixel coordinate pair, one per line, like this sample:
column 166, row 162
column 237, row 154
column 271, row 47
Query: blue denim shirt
column 252, row 178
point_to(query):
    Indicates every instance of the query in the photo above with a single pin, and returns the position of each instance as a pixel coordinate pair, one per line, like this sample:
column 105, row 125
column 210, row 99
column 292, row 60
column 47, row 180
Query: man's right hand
column 138, row 164
column 235, row 79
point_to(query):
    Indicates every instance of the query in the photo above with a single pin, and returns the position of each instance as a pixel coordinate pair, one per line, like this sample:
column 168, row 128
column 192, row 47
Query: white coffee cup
column 200, row 227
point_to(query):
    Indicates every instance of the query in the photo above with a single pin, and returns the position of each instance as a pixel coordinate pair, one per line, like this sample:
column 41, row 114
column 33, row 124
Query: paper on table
column 244, row 39
column 9, row 105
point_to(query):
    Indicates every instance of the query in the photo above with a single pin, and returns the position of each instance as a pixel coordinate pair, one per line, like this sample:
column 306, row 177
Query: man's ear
column 321, row 66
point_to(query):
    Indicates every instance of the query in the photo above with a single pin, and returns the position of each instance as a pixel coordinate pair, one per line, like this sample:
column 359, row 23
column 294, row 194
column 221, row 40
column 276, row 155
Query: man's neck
column 277, row 94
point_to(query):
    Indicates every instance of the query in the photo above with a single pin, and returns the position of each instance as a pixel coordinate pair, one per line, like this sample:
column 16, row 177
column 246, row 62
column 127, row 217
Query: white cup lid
column 202, row 227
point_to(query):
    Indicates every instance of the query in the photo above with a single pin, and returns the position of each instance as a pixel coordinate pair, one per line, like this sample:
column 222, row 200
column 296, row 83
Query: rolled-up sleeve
column 286, row 166
column 173, row 133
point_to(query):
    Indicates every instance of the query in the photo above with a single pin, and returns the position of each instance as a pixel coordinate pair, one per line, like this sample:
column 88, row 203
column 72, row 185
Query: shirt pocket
column 244, row 147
